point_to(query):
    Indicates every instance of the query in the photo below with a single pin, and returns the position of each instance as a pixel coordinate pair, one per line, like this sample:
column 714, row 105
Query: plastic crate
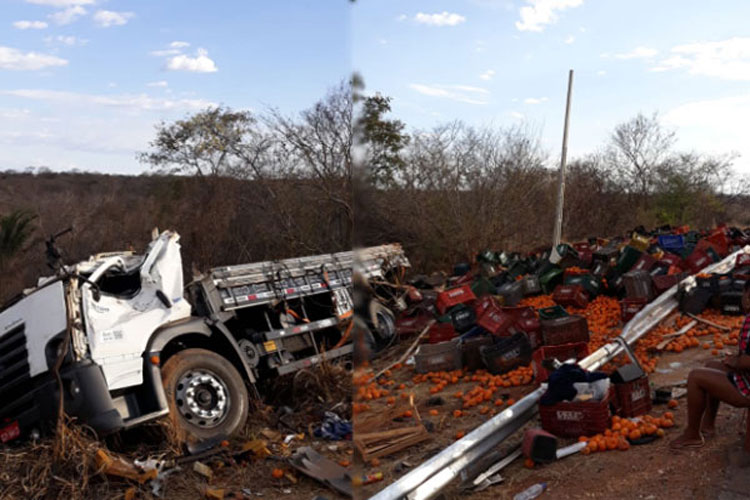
column 631, row 307
column 731, row 303
column 565, row 330
column 644, row 263
column 441, row 332
column 743, row 260
column 590, row 284
column 445, row 356
column 570, row 296
column 638, row 285
column 563, row 352
column 633, row 398
column 672, row 242
column 512, row 293
column 697, row 260
column 472, row 358
column 573, row 419
column 627, row 258
column 531, row 285
column 552, row 312
column 409, row 325
column 507, row 355
column 666, row 281
column 453, row 297
column 671, row 259
column 497, row 322
column 484, row 303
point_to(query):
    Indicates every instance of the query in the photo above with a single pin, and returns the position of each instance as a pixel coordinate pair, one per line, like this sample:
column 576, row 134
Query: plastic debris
column 334, row 428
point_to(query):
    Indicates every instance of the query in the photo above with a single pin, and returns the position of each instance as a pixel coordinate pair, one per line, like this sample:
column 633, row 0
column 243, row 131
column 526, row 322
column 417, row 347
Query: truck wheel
column 206, row 395
column 383, row 322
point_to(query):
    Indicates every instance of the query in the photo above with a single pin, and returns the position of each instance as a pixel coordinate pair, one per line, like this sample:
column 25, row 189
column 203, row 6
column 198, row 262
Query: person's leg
column 703, row 382
column 708, row 423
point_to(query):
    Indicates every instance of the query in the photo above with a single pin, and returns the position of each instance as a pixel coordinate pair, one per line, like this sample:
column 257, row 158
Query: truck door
column 120, row 323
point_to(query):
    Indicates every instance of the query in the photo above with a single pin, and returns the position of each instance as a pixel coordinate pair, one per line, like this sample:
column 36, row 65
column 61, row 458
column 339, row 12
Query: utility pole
column 557, row 236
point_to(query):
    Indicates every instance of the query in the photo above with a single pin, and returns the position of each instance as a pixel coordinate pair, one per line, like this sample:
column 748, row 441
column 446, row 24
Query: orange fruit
column 460, row 434
column 528, row 463
column 433, row 413
column 277, row 473
column 672, row 403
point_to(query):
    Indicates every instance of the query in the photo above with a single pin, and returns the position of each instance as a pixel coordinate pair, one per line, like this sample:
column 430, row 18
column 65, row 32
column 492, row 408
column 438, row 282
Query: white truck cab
column 117, row 338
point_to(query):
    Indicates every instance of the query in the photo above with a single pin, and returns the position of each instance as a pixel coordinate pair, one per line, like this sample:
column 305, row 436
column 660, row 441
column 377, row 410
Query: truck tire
column 206, row 395
column 383, row 322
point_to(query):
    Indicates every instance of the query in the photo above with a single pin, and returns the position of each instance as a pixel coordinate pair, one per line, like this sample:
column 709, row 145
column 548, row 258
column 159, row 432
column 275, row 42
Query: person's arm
column 738, row 362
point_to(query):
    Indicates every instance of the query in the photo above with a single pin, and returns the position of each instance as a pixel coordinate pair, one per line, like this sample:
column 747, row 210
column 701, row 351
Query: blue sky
column 83, row 82
column 500, row 62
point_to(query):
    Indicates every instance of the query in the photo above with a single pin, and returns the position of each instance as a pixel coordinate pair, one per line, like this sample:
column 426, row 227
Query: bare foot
column 684, row 442
column 739, row 458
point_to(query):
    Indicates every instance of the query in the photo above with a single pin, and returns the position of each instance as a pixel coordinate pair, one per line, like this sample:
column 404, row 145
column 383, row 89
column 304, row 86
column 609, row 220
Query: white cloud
column 13, row 113
column 201, row 63
column 516, row 115
column 30, row 25
column 68, row 40
column 402, row 18
column 179, row 44
column 14, row 59
column 540, row 13
column 713, row 125
column 601, row 72
column 570, row 39
column 160, row 83
column 726, row 59
column 441, row 19
column 535, row 100
column 487, row 75
column 68, row 15
column 460, row 93
column 141, row 102
column 165, row 52
column 61, row 3
column 637, row 53
column 107, row 18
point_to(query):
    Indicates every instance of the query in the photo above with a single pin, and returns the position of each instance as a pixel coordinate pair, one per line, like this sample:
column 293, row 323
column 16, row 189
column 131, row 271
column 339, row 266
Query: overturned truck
column 124, row 343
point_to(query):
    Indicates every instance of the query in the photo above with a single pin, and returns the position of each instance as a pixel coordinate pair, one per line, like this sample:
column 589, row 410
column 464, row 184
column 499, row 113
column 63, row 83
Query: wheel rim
column 386, row 326
column 202, row 398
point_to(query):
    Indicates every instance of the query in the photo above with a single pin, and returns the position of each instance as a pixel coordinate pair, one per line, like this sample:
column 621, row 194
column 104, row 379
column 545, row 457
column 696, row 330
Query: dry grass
column 64, row 466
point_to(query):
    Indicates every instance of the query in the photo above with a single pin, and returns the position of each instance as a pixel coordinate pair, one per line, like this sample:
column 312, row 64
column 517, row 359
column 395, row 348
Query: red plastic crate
column 484, row 303
column 633, row 398
column 666, row 281
column 671, row 259
column 644, row 263
column 719, row 241
column 497, row 322
column 453, row 297
column 631, row 307
column 743, row 260
column 577, row 350
column 409, row 325
column 573, row 419
column 441, row 332
column 570, row 295
column 565, row 330
column 697, row 261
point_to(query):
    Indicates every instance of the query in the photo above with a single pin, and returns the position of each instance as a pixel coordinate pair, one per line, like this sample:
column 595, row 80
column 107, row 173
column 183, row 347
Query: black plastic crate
column 507, row 354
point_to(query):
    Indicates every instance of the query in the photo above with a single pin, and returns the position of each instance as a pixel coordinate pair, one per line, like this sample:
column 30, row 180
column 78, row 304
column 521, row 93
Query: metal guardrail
column 429, row 478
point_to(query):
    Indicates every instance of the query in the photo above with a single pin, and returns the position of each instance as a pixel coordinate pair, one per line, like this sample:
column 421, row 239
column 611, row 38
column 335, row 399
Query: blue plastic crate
column 672, row 242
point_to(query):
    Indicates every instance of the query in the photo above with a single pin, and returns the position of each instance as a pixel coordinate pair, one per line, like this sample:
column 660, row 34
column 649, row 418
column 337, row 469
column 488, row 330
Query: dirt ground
column 30, row 470
column 643, row 471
